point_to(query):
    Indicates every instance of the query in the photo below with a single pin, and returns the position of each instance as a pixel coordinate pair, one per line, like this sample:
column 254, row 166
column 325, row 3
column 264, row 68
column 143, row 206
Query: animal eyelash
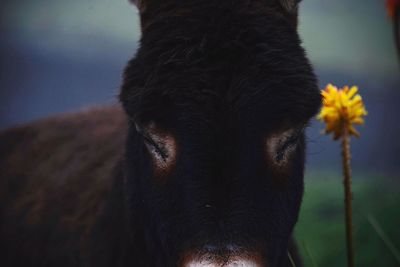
column 151, row 143
column 159, row 150
column 288, row 143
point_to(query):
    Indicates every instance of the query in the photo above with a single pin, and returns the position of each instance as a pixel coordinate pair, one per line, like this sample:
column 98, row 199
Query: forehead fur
column 218, row 56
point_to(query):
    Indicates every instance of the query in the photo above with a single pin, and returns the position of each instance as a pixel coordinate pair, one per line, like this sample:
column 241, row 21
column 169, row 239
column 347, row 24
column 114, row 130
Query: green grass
column 320, row 230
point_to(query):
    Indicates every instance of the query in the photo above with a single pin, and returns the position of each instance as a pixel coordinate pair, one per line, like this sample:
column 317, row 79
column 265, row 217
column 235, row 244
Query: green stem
column 348, row 196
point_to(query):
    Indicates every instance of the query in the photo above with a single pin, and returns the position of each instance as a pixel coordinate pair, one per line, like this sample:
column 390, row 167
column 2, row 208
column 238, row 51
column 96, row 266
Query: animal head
column 218, row 95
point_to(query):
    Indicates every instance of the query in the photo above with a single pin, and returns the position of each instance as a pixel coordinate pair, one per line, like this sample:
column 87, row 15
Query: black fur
column 220, row 76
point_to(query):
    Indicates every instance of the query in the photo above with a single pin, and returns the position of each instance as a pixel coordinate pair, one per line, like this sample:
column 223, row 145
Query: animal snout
column 234, row 263
column 227, row 257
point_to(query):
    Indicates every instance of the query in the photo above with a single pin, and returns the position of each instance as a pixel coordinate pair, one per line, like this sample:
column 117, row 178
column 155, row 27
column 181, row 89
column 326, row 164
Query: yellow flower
column 342, row 108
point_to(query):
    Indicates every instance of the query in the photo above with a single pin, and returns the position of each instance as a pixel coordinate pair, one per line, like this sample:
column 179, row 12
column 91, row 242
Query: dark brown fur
column 220, row 77
column 54, row 176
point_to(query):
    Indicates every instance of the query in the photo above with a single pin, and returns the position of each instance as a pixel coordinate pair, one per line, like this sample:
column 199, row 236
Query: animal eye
column 155, row 148
column 160, row 145
column 280, row 146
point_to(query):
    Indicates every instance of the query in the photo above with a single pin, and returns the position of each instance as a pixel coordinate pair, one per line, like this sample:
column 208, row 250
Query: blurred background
column 60, row 56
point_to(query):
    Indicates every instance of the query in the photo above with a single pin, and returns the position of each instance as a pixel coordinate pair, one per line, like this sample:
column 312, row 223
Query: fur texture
column 221, row 78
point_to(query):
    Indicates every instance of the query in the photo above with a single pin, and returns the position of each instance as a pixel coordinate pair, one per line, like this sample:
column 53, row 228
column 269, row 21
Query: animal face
column 218, row 95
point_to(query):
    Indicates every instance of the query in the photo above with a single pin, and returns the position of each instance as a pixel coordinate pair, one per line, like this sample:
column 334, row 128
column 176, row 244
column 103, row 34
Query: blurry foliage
column 320, row 231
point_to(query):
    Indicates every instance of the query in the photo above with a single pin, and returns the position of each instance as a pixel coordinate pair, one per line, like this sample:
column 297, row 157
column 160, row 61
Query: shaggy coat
column 203, row 164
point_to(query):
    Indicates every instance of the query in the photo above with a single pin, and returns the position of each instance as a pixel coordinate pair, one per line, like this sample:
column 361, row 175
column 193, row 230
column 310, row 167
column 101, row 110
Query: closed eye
column 288, row 143
column 280, row 146
column 152, row 145
column 160, row 144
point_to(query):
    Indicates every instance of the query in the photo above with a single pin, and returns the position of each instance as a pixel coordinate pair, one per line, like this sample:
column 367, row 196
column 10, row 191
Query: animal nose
column 230, row 256
column 233, row 263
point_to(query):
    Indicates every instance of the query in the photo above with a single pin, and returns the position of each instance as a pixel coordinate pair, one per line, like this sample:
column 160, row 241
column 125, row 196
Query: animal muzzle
column 222, row 258
column 232, row 263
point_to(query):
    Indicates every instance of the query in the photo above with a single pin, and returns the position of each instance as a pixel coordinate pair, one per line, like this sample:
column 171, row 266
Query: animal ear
column 290, row 5
column 138, row 3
